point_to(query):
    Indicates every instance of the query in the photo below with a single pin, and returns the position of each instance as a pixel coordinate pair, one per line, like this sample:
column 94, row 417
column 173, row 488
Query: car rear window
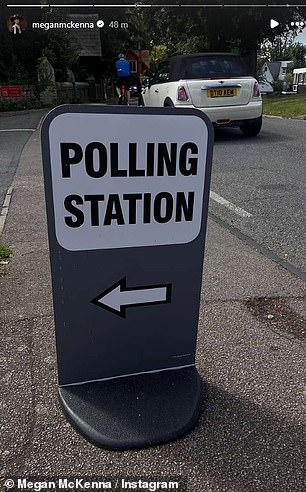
column 213, row 67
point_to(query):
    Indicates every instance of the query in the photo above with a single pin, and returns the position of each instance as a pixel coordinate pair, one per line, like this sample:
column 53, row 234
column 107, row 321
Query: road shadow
column 235, row 136
column 243, row 447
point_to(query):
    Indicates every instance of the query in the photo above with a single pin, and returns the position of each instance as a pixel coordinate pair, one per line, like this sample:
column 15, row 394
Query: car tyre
column 251, row 128
column 168, row 103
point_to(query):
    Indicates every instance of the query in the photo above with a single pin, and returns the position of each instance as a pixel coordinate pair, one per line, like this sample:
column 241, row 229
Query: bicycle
column 122, row 100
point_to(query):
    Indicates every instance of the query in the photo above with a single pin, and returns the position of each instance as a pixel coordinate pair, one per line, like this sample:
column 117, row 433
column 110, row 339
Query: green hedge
column 16, row 105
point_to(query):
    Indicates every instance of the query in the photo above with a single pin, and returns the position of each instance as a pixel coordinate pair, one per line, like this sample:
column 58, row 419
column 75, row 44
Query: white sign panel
column 136, row 190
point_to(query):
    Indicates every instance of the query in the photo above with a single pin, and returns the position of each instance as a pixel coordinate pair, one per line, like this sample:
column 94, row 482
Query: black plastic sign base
column 135, row 411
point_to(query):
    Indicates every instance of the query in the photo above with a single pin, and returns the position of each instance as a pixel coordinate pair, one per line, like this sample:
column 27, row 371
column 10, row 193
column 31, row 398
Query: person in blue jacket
column 123, row 76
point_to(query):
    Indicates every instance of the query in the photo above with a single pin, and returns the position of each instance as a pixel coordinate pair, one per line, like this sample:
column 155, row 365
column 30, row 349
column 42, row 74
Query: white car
column 215, row 83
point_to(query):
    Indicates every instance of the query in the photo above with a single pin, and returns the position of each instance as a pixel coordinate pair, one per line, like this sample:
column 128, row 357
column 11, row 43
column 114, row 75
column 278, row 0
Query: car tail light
column 223, row 122
column 256, row 91
column 182, row 94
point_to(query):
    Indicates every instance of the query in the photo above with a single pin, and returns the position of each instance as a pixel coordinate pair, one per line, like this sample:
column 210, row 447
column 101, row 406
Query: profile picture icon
column 17, row 24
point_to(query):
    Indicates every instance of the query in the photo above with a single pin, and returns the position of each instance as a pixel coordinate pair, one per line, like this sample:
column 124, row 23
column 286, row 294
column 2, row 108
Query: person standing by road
column 123, row 76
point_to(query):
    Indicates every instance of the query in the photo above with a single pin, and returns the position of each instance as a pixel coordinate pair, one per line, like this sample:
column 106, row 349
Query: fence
column 79, row 92
column 66, row 92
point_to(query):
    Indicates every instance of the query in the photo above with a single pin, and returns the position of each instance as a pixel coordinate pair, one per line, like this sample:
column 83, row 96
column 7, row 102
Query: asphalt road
column 266, row 178
column 15, row 131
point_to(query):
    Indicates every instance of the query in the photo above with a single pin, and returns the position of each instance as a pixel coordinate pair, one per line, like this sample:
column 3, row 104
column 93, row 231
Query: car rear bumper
column 231, row 115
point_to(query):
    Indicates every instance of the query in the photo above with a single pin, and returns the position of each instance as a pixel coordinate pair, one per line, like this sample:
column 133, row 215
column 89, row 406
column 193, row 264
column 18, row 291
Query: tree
column 209, row 29
column 18, row 56
column 179, row 30
column 284, row 48
column 298, row 55
column 159, row 53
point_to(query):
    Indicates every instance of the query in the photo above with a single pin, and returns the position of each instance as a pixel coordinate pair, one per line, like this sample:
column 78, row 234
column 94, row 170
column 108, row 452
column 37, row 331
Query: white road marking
column 19, row 130
column 229, row 205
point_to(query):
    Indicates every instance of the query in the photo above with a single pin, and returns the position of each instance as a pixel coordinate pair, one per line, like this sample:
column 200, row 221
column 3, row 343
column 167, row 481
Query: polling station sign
column 127, row 197
column 119, row 184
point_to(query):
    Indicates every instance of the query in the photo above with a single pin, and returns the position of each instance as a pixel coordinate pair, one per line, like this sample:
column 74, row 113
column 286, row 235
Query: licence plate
column 222, row 92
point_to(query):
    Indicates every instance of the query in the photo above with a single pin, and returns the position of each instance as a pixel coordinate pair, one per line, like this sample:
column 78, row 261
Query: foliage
column 159, row 53
column 298, row 55
column 284, row 48
column 44, row 76
column 191, row 29
column 20, row 104
column 18, row 56
column 5, row 252
column 288, row 79
column 260, row 74
column 162, row 30
column 61, row 48
column 277, row 85
column 192, row 44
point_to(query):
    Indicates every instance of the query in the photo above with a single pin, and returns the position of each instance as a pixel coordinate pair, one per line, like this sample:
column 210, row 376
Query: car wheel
column 251, row 128
column 168, row 103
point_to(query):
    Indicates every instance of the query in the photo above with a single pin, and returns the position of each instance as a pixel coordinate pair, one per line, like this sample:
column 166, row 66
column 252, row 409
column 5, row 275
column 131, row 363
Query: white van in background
column 299, row 79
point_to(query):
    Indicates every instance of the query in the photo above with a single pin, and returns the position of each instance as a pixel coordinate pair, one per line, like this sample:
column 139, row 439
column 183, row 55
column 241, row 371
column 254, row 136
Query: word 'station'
column 139, row 192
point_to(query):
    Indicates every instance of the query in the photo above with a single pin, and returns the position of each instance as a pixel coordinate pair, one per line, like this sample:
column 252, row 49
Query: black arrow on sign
column 118, row 297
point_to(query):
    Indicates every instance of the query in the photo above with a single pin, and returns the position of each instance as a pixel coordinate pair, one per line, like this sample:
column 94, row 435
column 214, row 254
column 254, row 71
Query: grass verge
column 286, row 106
column 5, row 254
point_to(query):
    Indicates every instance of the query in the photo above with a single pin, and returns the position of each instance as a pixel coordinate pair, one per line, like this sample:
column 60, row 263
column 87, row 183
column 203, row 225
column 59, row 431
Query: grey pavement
column 250, row 433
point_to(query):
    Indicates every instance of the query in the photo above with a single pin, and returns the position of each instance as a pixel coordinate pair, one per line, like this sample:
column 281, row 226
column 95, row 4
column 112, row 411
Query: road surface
column 263, row 179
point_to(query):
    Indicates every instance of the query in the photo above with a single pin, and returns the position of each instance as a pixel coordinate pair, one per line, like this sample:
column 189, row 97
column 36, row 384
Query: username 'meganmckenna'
column 62, row 25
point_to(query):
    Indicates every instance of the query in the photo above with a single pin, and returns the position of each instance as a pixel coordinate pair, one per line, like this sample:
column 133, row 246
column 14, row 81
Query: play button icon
column 273, row 23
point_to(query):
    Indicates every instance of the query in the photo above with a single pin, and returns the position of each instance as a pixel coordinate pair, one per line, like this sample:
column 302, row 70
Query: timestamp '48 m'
column 114, row 24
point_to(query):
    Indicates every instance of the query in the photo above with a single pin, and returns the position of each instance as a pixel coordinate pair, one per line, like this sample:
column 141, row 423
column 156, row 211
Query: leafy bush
column 277, row 85
column 16, row 105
